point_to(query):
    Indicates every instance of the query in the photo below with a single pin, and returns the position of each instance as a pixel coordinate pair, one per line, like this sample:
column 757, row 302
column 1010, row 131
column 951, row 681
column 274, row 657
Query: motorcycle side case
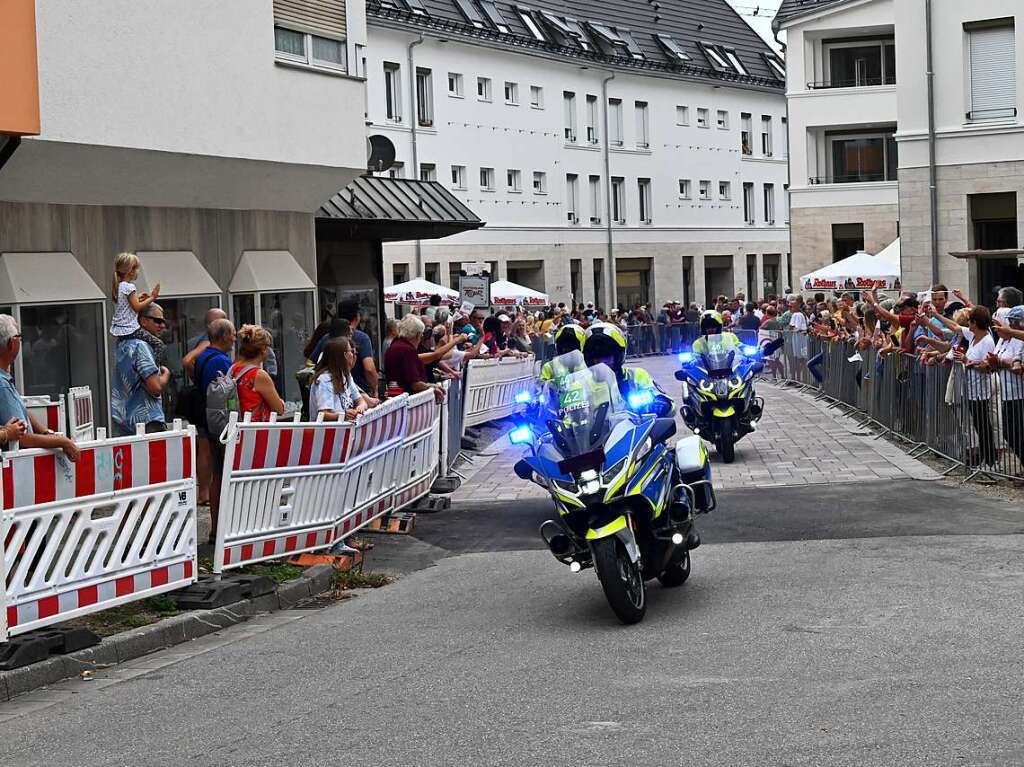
column 694, row 466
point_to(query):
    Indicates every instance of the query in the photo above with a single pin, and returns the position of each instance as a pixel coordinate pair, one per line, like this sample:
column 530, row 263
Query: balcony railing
column 857, row 82
column 853, row 178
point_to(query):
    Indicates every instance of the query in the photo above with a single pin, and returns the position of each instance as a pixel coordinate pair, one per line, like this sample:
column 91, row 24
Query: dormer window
column 531, row 24
column 775, row 66
column 635, row 52
column 734, row 61
column 470, row 13
column 715, row 57
column 494, row 16
column 416, row 7
column 611, row 39
column 576, row 30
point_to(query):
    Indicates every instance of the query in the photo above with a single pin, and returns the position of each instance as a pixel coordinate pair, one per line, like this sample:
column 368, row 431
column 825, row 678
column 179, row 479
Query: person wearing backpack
column 256, row 391
column 213, row 362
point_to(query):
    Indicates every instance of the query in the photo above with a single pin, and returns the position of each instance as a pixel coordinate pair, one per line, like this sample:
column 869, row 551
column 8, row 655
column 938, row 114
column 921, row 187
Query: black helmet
column 605, row 341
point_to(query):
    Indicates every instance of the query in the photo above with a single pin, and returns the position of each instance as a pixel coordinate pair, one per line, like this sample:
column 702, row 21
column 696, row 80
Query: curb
column 129, row 645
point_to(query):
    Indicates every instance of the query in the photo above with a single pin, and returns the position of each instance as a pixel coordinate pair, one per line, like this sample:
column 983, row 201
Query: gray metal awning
column 1007, row 253
column 178, row 272
column 262, row 271
column 392, row 209
column 45, row 278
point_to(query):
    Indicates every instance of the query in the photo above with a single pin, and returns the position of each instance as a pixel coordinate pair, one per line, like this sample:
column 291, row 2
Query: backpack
column 222, row 400
column 191, row 403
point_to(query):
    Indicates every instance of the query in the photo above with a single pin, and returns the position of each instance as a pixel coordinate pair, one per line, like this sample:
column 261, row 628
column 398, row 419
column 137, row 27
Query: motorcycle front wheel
column 621, row 580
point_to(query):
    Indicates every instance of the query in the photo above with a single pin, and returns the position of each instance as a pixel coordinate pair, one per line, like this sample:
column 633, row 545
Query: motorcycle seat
column 663, row 430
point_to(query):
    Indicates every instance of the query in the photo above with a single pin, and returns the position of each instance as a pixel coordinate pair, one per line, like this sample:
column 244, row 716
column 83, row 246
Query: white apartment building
column 582, row 129
column 841, row 90
column 873, row 119
column 205, row 140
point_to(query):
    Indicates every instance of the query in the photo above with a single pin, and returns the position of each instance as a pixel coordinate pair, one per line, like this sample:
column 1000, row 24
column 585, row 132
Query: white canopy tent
column 861, row 271
column 505, row 293
column 418, row 291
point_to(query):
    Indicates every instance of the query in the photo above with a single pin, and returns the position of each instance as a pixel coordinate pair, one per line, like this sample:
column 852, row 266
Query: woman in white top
column 977, row 377
column 1008, row 361
column 334, row 393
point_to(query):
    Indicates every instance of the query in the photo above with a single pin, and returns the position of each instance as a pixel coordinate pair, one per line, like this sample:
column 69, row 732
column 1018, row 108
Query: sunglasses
column 157, row 320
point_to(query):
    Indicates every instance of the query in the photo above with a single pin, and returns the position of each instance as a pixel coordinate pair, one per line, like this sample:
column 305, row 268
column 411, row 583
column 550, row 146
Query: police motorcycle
column 626, row 501
column 719, row 403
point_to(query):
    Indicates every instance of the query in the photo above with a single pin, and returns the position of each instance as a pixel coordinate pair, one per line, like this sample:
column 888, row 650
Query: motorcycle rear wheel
column 676, row 573
column 621, row 580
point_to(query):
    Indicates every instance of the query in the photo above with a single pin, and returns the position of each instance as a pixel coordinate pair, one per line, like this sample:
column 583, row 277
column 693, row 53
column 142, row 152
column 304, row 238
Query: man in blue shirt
column 364, row 372
column 18, row 424
column 138, row 381
column 213, row 361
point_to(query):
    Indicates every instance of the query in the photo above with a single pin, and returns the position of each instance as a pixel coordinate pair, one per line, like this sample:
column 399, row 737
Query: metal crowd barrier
column 490, row 387
column 973, row 419
column 116, row 526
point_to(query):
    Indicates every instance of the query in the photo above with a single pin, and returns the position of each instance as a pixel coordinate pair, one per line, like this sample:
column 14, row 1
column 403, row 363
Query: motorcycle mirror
column 680, row 375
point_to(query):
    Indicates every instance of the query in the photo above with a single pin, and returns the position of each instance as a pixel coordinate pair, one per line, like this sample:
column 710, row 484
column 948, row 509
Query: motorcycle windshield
column 585, row 404
column 719, row 356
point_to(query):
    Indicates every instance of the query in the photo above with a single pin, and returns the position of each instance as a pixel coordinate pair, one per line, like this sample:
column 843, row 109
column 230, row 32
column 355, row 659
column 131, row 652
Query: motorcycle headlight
column 736, row 382
column 614, row 471
column 644, row 450
column 706, row 385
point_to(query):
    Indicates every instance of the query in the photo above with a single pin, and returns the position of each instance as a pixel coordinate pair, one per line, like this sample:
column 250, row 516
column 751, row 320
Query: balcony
column 866, row 177
column 854, row 82
column 857, row 63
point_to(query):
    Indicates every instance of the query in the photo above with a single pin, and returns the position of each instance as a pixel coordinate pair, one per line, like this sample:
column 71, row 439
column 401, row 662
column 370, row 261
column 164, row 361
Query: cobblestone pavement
column 799, row 441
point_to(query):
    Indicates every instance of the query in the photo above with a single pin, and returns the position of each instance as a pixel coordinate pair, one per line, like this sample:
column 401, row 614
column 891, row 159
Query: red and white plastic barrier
column 117, row 526
column 50, row 413
column 291, row 486
column 491, row 387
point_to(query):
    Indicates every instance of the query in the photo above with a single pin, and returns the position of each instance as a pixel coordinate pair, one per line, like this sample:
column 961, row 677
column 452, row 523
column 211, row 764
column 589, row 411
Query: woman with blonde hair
column 334, row 392
column 256, row 391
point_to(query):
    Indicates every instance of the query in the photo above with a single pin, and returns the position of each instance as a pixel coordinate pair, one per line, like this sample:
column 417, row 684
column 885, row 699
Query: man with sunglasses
column 138, row 380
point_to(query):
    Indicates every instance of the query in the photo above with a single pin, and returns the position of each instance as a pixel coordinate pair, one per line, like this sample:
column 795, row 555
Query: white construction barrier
column 290, row 486
column 81, row 423
column 419, row 457
column 48, row 412
column 117, row 526
column 491, row 387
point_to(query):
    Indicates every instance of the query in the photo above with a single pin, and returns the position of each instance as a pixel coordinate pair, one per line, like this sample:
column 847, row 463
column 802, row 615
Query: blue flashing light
column 750, row 351
column 638, row 400
column 523, row 397
column 521, row 435
column 686, row 357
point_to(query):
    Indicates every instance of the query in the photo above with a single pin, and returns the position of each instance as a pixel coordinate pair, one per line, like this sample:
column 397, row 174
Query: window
column 540, row 182
column 615, row 121
column 858, row 63
column 702, row 118
column 618, row 200
column 494, row 16
column 769, row 203
column 847, row 239
column 776, row 66
column 428, row 171
column 459, row 176
column 643, row 125
column 531, row 24
column 595, row 199
column 455, row 87
column 672, row 48
column 745, row 133
column 392, row 92
column 748, row 204
column 470, row 13
column 643, row 186
column 514, row 180
column 512, row 93
column 724, row 190
column 715, row 57
column 682, row 115
column 993, row 67
column 592, row 134
column 723, row 120
column 766, row 135
column 416, row 6
column 569, row 107
column 487, row 179
column 424, row 97
column 397, row 170
column 734, row 61
column 572, row 191
column 483, row 88
column 684, row 189
column 536, row 97
column 305, row 48
column 705, row 190
column 861, row 157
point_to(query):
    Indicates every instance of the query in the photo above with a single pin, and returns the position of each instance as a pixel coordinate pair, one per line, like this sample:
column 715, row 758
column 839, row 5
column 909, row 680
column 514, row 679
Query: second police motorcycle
column 597, row 436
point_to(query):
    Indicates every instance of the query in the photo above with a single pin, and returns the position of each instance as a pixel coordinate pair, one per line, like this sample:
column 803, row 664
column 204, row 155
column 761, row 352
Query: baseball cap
column 1016, row 314
column 504, row 318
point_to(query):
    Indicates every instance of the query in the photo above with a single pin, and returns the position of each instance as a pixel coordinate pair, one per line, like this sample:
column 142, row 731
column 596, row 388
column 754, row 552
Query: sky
column 759, row 15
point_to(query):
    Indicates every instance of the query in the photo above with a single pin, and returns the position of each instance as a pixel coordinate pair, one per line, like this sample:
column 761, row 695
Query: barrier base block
column 341, row 562
column 445, row 485
column 35, row 646
column 209, row 594
column 431, row 504
column 395, row 523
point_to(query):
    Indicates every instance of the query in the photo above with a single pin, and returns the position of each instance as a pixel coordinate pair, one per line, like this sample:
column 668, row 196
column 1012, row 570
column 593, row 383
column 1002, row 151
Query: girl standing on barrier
column 256, row 391
column 334, row 393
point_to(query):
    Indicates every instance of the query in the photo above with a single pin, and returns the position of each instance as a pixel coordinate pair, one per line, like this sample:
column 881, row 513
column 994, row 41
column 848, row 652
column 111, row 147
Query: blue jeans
column 812, row 365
